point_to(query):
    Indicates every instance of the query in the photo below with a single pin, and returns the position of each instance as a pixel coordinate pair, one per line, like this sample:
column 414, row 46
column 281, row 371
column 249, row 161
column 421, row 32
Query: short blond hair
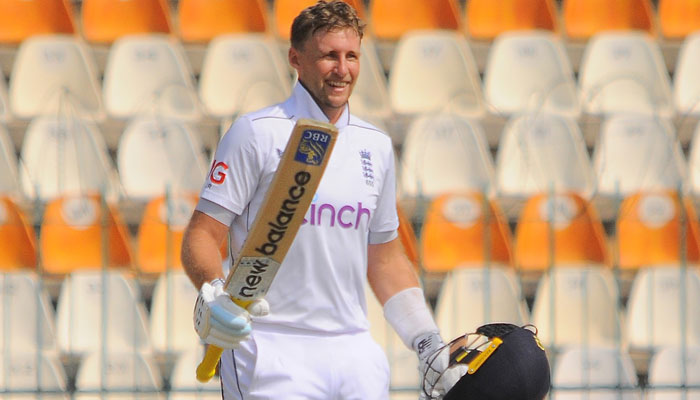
column 324, row 15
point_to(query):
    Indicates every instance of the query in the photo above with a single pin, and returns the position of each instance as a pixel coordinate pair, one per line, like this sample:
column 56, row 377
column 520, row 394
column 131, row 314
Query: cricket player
column 309, row 338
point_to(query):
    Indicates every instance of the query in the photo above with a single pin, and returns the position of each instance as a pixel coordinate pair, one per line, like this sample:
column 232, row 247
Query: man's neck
column 332, row 115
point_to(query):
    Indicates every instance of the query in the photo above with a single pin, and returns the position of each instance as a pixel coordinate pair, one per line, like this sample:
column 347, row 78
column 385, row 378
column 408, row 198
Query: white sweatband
column 408, row 313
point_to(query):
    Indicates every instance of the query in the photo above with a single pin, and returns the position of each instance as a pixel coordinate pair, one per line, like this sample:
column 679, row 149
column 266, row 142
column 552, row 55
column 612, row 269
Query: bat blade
column 278, row 220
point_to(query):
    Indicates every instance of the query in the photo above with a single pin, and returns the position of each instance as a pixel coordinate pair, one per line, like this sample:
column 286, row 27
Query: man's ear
column 293, row 57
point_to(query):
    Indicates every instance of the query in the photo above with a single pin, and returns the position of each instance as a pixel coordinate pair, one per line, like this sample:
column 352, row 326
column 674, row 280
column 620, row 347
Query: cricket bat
column 278, row 220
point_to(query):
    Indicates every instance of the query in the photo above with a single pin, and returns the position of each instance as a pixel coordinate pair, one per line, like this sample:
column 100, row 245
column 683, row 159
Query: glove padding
column 220, row 321
column 436, row 379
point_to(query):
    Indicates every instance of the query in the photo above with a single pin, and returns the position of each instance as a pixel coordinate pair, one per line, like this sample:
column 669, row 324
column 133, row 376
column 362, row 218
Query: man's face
column 328, row 65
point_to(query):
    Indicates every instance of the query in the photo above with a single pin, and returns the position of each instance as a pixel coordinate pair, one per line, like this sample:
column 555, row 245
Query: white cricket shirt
column 320, row 285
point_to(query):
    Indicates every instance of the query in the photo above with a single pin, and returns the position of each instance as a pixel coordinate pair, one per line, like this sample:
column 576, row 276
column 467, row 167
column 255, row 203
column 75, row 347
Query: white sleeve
column 237, row 167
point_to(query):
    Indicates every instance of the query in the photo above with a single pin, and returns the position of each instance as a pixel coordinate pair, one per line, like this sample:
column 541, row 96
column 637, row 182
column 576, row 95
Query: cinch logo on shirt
column 346, row 216
column 217, row 173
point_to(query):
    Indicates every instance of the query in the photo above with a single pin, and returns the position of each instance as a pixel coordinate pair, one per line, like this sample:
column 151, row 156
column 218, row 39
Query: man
column 312, row 342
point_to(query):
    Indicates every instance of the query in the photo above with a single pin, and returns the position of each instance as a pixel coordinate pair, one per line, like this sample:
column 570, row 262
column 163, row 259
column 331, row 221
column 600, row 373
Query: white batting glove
column 436, row 378
column 220, row 321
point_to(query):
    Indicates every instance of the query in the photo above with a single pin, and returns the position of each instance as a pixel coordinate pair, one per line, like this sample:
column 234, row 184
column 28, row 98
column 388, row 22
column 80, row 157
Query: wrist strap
column 408, row 313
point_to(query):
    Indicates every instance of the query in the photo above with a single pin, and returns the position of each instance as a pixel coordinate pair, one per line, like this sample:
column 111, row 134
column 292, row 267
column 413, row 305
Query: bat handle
column 207, row 368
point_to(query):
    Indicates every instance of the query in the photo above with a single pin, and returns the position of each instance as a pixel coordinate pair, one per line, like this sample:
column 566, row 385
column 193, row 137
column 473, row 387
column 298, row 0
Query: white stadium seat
column 9, row 176
column 686, row 83
column 171, row 329
column 33, row 376
column 118, row 376
column 370, row 97
column 671, row 368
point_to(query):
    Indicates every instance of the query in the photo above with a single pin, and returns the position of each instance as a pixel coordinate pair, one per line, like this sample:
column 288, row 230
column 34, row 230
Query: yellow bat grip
column 207, row 368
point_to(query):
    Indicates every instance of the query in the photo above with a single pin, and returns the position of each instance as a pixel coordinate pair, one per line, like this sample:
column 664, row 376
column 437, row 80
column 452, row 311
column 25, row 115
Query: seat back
column 160, row 155
column 578, row 306
column 105, row 21
column 585, row 18
column 543, row 81
column 472, row 297
column 160, row 232
column 101, row 311
column 370, row 97
column 20, row 19
column 558, row 230
column 40, row 374
column 203, row 20
column 54, row 75
column 686, row 85
column 678, row 18
column 653, row 228
column 148, row 74
column 464, row 229
column 624, row 72
column 434, row 141
column 391, row 19
column 662, row 308
column 242, row 73
column 486, row 19
column 82, row 232
column 171, row 329
column 538, row 153
column 671, row 369
column 114, row 375
column 434, row 71
column 183, row 382
column 17, row 238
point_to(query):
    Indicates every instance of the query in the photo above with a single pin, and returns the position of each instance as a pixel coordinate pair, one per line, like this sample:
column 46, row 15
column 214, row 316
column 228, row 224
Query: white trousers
column 283, row 364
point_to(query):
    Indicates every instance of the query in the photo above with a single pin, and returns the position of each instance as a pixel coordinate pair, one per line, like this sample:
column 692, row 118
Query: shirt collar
column 302, row 105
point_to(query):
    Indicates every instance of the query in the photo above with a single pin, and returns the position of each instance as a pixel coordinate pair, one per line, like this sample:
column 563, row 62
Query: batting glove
column 220, row 321
column 434, row 362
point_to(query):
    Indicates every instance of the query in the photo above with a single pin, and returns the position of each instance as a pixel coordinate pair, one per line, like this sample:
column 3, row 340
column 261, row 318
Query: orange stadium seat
column 76, row 234
column 455, row 233
column 678, row 18
column 20, row 19
column 17, row 237
column 202, row 20
column 584, row 18
column 650, row 232
column 285, row 11
column 104, row 21
column 578, row 234
column 486, row 19
column 390, row 19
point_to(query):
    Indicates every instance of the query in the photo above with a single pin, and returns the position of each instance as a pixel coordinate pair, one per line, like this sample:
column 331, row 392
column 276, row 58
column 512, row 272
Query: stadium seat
column 662, row 308
column 149, row 74
column 464, row 230
column 20, row 19
column 82, row 233
column 17, row 238
column 55, row 75
column 578, row 306
column 403, row 363
column 33, row 375
column 62, row 156
column 557, row 230
column 434, row 71
column 370, row 97
column 637, row 153
column 624, row 72
column 392, row 19
column 105, row 21
column 171, row 329
column 653, row 229
column 694, row 163
column 183, row 382
column 101, row 311
column 117, row 376
column 27, row 315
column 686, row 84
column 471, row 297
column 284, row 12
column 594, row 374
column 160, row 232
column 242, row 73
column 539, row 153
column 671, row 370
column 543, row 81
column 158, row 155
column 9, row 178
column 585, row 18
column 678, row 18
column 486, row 19
column 203, row 20
column 434, row 141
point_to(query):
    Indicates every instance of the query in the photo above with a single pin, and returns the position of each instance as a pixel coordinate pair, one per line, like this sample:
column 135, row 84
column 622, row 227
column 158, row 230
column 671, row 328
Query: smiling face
column 328, row 64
